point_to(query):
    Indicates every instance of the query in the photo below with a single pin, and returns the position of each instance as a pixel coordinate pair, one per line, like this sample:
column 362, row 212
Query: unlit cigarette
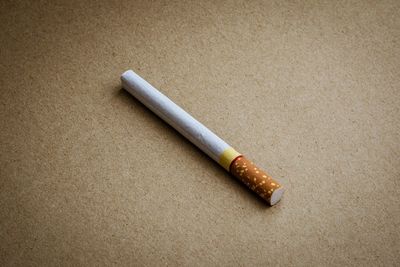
column 231, row 160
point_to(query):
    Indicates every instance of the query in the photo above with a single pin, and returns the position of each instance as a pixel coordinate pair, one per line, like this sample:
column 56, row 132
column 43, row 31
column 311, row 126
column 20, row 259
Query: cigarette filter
column 231, row 160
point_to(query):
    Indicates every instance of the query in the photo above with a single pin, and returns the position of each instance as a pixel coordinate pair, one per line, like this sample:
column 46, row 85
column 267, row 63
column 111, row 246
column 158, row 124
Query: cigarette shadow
column 203, row 159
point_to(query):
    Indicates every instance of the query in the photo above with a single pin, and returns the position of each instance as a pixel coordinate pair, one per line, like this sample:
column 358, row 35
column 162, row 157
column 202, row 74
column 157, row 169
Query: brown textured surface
column 254, row 178
column 308, row 90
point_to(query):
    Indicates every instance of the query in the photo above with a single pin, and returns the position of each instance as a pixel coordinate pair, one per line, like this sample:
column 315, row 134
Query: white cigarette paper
column 201, row 136
column 175, row 116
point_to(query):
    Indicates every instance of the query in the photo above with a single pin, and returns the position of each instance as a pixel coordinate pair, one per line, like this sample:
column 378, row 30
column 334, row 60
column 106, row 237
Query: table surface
column 308, row 90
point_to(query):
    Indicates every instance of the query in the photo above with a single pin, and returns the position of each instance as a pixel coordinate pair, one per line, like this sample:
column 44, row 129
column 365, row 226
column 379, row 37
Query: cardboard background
column 91, row 177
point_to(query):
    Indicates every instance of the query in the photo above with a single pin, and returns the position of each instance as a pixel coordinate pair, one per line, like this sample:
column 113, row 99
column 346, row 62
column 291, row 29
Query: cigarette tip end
column 277, row 195
column 125, row 73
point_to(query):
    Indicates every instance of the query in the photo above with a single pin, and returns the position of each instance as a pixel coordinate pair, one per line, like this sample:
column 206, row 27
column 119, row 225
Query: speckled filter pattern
column 254, row 178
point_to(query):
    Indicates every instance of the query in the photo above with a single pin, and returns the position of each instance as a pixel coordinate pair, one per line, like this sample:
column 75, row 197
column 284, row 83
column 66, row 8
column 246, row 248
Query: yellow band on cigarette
column 227, row 157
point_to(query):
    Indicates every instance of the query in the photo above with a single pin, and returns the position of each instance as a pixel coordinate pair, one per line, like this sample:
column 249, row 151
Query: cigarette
column 216, row 148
